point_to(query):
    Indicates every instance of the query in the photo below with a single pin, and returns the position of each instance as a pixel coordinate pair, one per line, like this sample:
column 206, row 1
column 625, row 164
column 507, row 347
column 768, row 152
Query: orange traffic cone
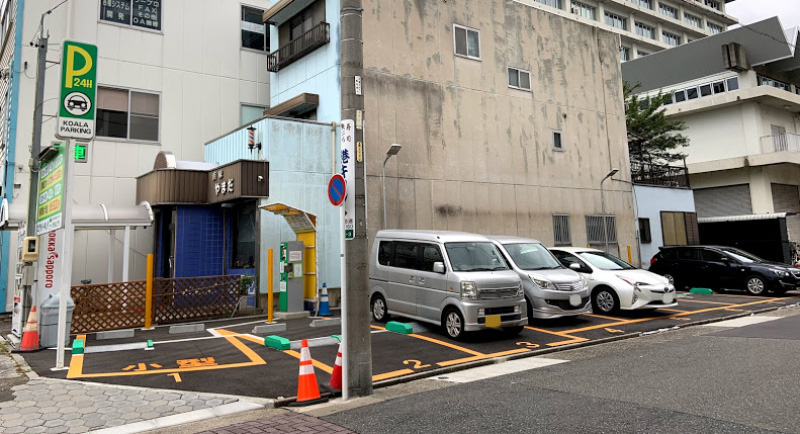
column 336, row 377
column 307, row 388
column 30, row 334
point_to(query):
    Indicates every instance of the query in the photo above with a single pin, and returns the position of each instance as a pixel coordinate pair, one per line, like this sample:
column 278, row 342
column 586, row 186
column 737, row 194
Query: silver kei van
column 457, row 280
column 551, row 290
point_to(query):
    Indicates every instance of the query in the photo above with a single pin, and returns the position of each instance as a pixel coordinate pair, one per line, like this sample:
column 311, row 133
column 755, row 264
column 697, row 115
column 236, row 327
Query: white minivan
column 457, row 280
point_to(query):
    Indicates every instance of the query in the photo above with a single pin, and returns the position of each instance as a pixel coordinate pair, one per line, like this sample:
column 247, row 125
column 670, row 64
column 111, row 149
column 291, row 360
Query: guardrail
column 299, row 47
column 787, row 142
column 658, row 174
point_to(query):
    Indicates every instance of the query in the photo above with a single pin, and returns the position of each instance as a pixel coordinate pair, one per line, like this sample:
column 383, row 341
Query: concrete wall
column 477, row 155
column 197, row 66
column 650, row 201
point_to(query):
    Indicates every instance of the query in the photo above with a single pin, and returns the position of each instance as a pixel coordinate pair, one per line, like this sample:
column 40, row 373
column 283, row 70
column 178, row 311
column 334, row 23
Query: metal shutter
column 785, row 198
column 723, row 201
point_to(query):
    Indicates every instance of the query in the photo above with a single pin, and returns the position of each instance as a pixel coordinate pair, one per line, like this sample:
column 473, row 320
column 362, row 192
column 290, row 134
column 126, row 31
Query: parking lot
column 227, row 358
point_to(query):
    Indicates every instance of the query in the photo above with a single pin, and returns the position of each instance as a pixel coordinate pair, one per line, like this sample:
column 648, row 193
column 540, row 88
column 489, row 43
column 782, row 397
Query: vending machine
column 292, row 277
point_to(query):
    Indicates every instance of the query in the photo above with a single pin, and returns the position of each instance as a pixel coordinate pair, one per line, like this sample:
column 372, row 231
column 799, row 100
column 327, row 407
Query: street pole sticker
column 348, row 172
column 76, row 114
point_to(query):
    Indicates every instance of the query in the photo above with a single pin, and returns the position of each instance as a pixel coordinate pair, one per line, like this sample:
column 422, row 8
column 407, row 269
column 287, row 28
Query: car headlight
column 520, row 291
column 469, row 291
column 584, row 282
column 781, row 273
column 541, row 282
column 630, row 282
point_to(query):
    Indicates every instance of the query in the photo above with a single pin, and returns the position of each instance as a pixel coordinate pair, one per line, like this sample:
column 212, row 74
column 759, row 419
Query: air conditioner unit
column 734, row 57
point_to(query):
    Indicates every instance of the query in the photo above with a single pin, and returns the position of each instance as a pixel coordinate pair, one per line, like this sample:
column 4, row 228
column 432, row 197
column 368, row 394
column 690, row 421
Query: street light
column 393, row 150
column 603, row 205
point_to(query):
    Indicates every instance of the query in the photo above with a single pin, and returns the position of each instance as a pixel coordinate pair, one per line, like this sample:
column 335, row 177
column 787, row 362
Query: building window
column 714, row 29
column 679, row 228
column 644, row 231
column 670, row 39
column 251, row 113
column 680, row 96
column 645, row 31
column 693, row 20
column 691, row 93
column 714, row 4
column 594, row 229
column 551, row 3
column 765, row 81
column 300, row 24
column 624, row 53
column 254, row 31
column 557, row 145
column 243, row 228
column 642, row 53
column 583, row 10
column 128, row 114
column 705, row 90
column 467, row 42
column 519, row 79
column 616, row 21
column 668, row 11
column 561, row 232
column 138, row 13
column 643, row 3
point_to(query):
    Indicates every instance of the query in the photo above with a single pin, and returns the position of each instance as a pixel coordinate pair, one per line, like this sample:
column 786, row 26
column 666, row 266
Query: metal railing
column 787, row 142
column 299, row 47
column 659, row 174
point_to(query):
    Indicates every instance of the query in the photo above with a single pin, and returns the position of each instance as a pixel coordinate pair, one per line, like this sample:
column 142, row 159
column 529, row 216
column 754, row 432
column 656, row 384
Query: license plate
column 493, row 321
column 575, row 300
column 668, row 298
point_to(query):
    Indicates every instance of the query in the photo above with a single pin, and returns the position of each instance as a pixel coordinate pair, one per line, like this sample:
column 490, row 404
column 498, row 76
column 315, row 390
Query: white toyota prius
column 614, row 284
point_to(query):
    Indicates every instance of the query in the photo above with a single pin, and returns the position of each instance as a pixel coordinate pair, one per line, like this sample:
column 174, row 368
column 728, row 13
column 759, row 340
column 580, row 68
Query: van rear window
column 385, row 252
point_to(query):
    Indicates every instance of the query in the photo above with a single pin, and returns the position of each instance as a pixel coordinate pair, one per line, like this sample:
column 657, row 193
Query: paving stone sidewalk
column 283, row 424
column 60, row 406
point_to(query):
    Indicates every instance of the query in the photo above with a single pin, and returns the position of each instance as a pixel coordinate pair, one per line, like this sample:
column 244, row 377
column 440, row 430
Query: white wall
column 650, row 201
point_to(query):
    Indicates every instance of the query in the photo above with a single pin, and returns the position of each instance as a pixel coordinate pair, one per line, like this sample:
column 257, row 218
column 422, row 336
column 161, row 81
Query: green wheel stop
column 399, row 327
column 277, row 342
column 77, row 346
column 705, row 291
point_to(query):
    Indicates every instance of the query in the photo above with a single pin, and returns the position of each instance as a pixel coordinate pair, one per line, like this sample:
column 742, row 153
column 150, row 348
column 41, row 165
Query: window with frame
column 145, row 14
column 715, row 4
column 714, row 28
column 467, row 42
column 679, row 228
column 385, row 253
column 643, row 53
column 616, row 21
column 594, row 229
column 670, row 39
column 300, row 24
column 128, row 114
column 693, row 20
column 551, row 3
column 644, row 231
column 430, row 255
column 405, row 255
column 557, row 144
column 668, row 10
column 243, row 231
column 254, row 32
column 519, row 79
column 624, row 53
column 645, row 31
column 251, row 112
column 643, row 3
column 584, row 10
column 561, row 231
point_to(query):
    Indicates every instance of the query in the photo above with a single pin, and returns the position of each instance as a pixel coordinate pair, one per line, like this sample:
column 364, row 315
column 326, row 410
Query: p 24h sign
column 76, row 114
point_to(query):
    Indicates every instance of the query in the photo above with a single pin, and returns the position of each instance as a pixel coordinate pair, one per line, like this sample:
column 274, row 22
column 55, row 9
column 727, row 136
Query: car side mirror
column 438, row 267
column 575, row 266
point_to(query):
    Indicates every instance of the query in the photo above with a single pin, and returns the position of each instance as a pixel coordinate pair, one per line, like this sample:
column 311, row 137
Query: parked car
column 719, row 268
column 458, row 280
column 614, row 284
column 551, row 289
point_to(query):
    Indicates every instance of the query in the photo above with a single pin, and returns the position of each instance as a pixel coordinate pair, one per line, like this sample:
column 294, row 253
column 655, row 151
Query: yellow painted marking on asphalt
column 392, row 374
column 674, row 310
column 561, row 334
column 255, row 358
column 482, row 357
column 176, row 376
column 681, row 318
column 75, row 366
column 594, row 315
column 734, row 310
column 317, row 364
column 683, row 300
column 614, row 330
column 446, row 344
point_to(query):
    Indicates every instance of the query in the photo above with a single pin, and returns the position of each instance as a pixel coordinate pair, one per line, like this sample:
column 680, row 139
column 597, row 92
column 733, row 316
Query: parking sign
column 76, row 114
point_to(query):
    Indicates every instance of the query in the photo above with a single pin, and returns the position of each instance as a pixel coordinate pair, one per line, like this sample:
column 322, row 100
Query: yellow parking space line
column 594, row 315
column 75, row 366
column 252, row 355
column 674, row 310
column 169, row 371
column 570, row 339
column 317, row 364
column 482, row 357
column 683, row 300
column 387, row 375
column 734, row 310
column 446, row 344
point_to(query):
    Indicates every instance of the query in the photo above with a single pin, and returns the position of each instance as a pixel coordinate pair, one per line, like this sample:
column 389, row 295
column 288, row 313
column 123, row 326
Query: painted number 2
column 417, row 364
column 78, row 82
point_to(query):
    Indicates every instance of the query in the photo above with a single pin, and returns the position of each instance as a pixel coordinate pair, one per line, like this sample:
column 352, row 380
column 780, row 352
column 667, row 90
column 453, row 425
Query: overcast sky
column 750, row 11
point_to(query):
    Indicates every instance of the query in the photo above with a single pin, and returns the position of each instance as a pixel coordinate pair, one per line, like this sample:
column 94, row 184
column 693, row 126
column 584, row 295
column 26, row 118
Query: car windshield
column 532, row 256
column 604, row 261
column 475, row 257
column 742, row 256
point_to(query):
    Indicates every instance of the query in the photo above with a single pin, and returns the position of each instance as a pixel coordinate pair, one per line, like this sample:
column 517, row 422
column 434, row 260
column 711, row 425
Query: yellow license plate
column 493, row 321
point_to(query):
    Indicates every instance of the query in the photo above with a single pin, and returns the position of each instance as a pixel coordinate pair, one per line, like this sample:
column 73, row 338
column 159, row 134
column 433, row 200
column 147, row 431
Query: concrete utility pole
column 358, row 347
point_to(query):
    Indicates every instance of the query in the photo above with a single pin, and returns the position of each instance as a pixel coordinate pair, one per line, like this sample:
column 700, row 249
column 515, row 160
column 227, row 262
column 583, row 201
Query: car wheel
column 453, row 323
column 378, row 306
column 672, row 281
column 604, row 300
column 755, row 285
column 513, row 331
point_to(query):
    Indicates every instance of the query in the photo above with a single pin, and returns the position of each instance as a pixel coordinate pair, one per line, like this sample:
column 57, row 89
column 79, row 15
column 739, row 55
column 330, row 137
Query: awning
column 98, row 217
column 299, row 220
column 283, row 10
column 297, row 106
column 745, row 218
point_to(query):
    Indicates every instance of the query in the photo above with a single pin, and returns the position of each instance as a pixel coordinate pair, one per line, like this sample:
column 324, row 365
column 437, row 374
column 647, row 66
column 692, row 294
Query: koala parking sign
column 76, row 114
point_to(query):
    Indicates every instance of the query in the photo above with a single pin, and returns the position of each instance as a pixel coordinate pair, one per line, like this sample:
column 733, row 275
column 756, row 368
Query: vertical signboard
column 76, row 113
column 17, row 312
column 50, row 201
column 49, row 268
column 348, row 171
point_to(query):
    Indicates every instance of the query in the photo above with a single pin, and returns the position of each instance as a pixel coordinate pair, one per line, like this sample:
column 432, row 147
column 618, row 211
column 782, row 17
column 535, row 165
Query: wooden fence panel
column 194, row 298
column 108, row 306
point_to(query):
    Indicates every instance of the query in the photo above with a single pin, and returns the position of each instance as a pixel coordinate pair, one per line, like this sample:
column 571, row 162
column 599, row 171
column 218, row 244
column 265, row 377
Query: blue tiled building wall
column 199, row 241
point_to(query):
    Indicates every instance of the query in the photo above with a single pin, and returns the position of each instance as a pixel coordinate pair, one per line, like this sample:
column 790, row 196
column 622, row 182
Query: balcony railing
column 787, row 142
column 299, row 47
column 658, row 174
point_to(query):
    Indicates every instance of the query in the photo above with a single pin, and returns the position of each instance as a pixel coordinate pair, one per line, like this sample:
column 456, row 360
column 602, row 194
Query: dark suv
column 719, row 268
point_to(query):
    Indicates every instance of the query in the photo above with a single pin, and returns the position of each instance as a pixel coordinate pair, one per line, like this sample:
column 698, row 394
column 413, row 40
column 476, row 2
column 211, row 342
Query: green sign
column 76, row 113
column 81, row 152
column 50, row 201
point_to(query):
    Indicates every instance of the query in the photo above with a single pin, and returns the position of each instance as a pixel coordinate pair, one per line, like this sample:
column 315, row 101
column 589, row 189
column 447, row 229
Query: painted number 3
column 417, row 364
column 528, row 344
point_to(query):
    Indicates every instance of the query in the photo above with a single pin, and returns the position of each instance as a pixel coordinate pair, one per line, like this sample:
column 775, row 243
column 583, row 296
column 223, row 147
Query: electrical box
column 30, row 249
column 292, row 277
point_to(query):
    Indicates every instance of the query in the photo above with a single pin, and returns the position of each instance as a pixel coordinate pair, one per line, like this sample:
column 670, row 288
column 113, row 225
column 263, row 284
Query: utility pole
column 358, row 347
